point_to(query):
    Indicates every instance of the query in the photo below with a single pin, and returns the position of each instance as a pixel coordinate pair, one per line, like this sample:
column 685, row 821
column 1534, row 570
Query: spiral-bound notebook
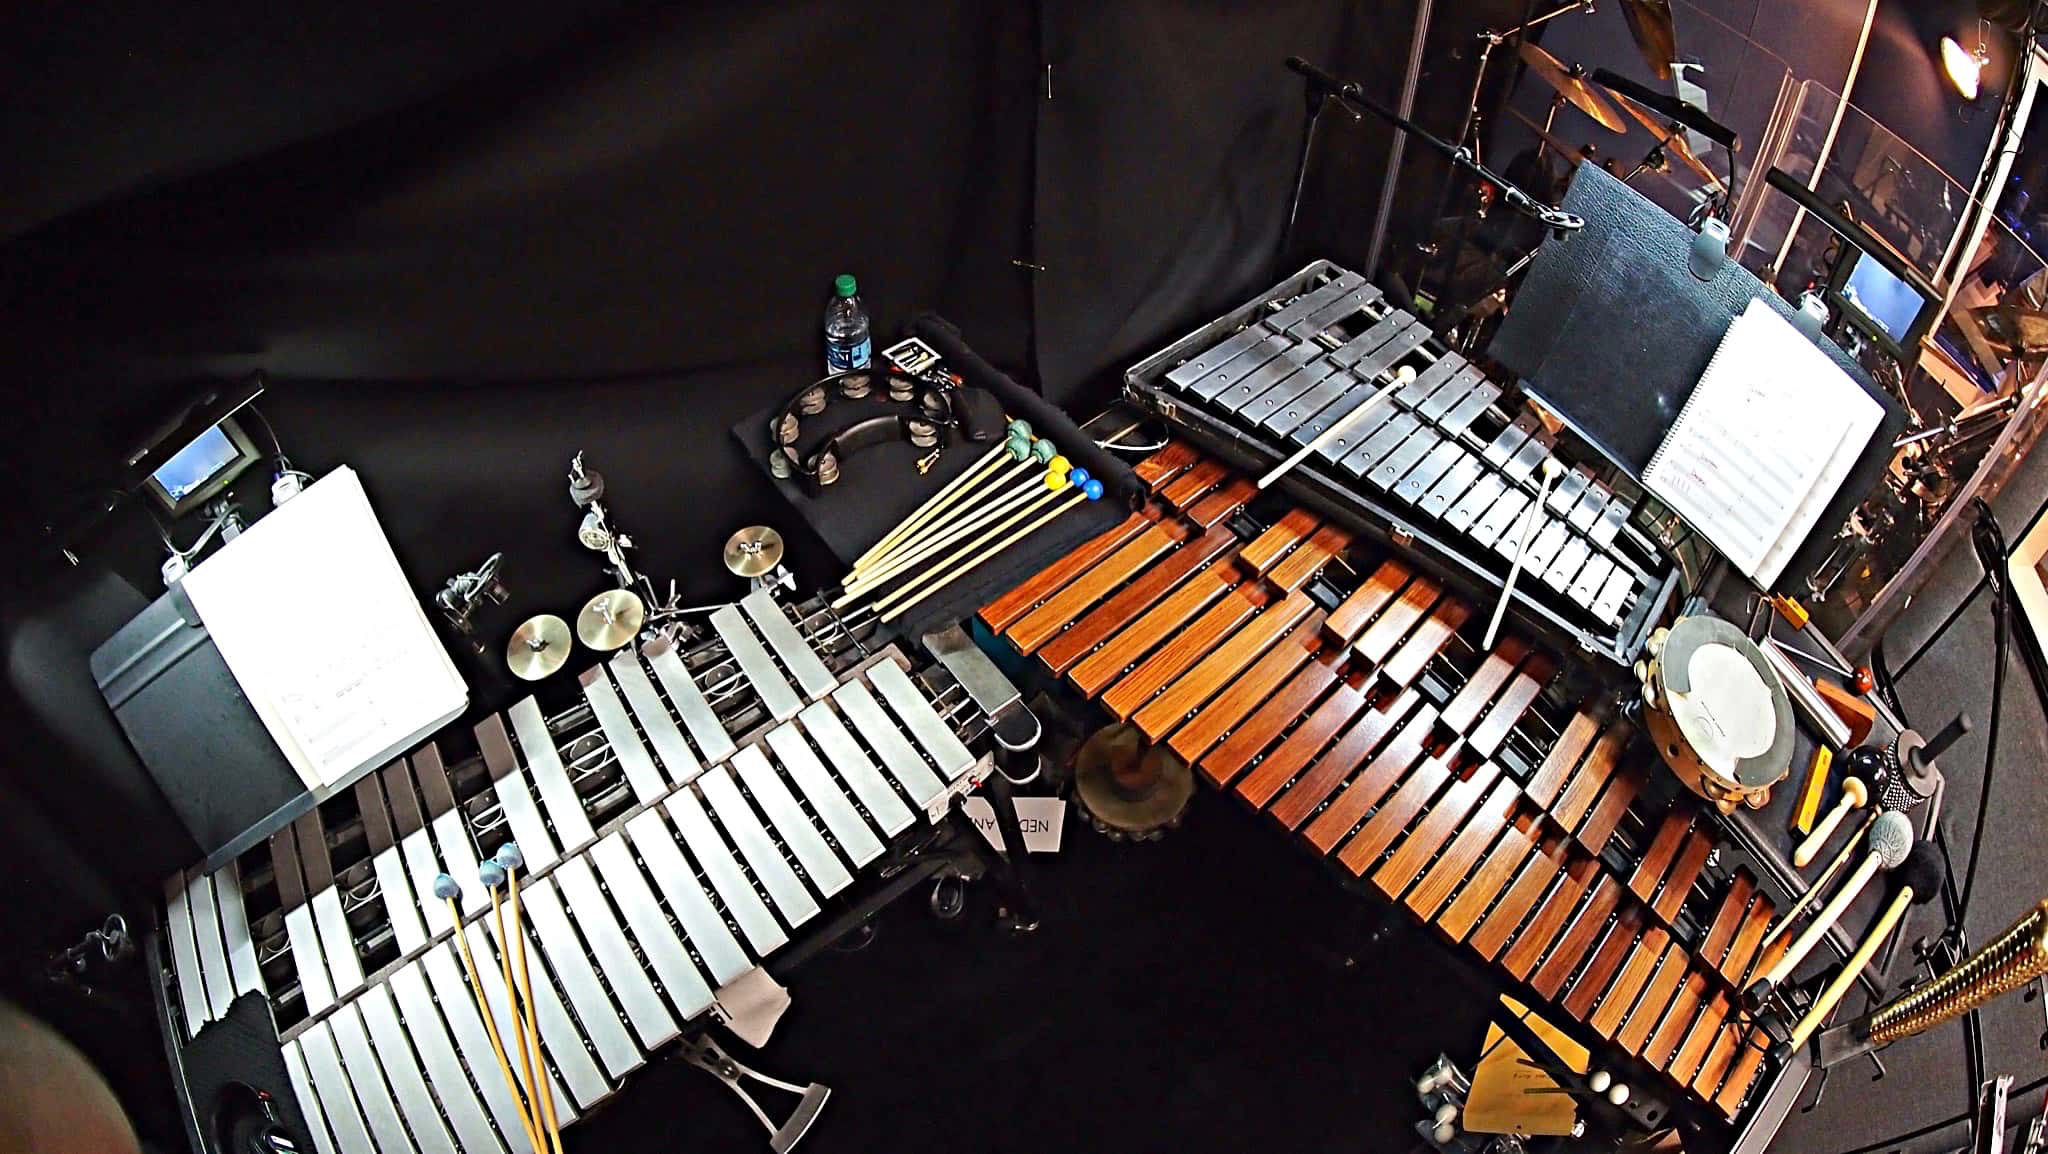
column 1763, row 443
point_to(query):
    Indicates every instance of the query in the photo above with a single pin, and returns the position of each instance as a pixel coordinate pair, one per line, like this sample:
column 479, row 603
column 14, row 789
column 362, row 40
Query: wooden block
column 1006, row 610
column 1521, row 692
column 1721, row 931
column 1075, row 593
column 1463, row 855
column 1308, row 741
column 1159, row 625
column 1379, row 640
column 1217, row 671
column 1103, row 621
column 1742, row 1075
column 1445, row 817
column 1485, row 681
column 1700, row 1040
column 1348, row 619
column 1678, row 1019
column 1657, row 995
column 1807, row 807
column 1691, row 860
column 1304, row 563
column 1204, row 514
column 1392, row 819
column 1183, row 490
column 1426, row 642
column 1621, row 938
column 1550, row 919
column 1171, row 458
column 1538, row 874
column 1635, row 973
column 1571, row 949
column 1182, row 649
column 1247, row 741
column 1662, row 851
column 1585, row 784
column 1509, row 852
column 1265, row 678
column 1856, row 713
column 1364, row 791
column 1267, row 548
column 1563, row 757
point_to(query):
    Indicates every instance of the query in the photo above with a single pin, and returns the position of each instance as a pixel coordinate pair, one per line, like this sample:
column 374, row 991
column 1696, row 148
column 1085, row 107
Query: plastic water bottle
column 846, row 328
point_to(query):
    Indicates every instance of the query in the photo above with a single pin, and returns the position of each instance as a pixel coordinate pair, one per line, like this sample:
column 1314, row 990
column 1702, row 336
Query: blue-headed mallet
column 448, row 890
column 509, row 859
column 492, row 876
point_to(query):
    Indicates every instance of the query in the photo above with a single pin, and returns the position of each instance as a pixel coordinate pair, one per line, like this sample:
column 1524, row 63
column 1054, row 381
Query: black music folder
column 1612, row 331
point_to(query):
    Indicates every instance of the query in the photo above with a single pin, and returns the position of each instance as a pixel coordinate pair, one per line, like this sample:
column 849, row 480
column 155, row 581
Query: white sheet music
column 1763, row 443
column 317, row 622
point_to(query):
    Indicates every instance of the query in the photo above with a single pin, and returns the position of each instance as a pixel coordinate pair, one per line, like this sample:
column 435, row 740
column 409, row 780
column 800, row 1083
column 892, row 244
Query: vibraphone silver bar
column 637, row 911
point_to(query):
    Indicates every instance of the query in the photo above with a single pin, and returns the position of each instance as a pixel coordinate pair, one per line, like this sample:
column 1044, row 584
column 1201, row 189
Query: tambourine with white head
column 1719, row 714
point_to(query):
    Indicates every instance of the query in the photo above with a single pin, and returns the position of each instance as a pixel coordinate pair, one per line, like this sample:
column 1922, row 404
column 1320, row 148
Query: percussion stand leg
column 708, row 1056
column 1019, row 913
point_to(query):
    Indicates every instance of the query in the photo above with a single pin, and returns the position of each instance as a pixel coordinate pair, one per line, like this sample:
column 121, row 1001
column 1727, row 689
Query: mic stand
column 1558, row 221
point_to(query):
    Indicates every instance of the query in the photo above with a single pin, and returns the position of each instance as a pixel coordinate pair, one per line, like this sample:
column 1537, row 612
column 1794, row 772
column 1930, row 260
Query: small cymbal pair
column 540, row 645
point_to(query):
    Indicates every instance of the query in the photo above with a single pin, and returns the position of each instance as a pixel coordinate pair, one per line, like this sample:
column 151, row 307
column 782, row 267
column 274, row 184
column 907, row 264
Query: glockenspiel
column 693, row 812
column 1446, row 461
column 1327, row 683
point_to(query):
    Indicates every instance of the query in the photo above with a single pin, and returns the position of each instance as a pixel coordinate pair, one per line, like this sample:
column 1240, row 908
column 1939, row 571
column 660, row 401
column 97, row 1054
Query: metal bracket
column 708, row 1056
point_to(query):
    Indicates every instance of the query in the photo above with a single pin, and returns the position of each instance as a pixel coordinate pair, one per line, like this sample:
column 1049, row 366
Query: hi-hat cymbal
column 1673, row 136
column 753, row 551
column 538, row 647
column 610, row 619
column 1127, row 790
column 1558, row 144
column 1570, row 83
column 1649, row 25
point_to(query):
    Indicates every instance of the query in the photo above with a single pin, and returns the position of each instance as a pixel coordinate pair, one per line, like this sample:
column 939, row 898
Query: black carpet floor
column 1211, row 991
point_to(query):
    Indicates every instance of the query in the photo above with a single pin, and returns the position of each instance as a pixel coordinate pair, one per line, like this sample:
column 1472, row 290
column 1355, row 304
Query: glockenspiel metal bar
column 645, row 1010
column 443, row 1069
column 443, row 968
column 723, row 871
column 364, row 1076
column 680, row 886
column 559, row 1033
column 499, row 999
column 653, row 715
column 554, row 947
column 698, row 717
column 309, row 1102
column 185, row 954
column 633, row 758
column 234, row 923
column 316, row 991
column 330, row 1086
column 797, row 656
column 401, row 909
column 931, row 732
column 898, row 756
column 213, row 954
column 776, row 696
column 658, row 942
column 882, row 802
column 402, row 1070
column 763, row 856
column 544, row 764
column 828, row 801
column 794, row 826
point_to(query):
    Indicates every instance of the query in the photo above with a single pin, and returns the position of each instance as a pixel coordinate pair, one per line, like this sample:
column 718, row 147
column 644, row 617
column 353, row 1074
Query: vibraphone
column 680, row 822
column 1446, row 465
column 1330, row 688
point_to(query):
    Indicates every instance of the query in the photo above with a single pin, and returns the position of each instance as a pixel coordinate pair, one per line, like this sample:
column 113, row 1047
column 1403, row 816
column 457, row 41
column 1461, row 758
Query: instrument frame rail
column 695, row 826
column 1283, row 330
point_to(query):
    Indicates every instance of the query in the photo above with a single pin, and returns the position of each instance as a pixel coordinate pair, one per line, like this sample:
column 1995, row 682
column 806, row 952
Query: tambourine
column 1717, row 711
column 932, row 410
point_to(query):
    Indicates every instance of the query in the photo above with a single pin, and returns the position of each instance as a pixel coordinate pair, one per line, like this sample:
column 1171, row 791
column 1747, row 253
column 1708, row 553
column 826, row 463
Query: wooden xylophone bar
column 1332, row 691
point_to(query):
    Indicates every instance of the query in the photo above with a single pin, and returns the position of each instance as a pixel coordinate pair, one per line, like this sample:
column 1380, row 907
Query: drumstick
column 1918, row 878
column 939, row 500
column 492, row 875
column 1819, row 885
column 989, row 473
column 1855, row 795
column 1891, row 839
column 1552, row 469
column 1089, row 488
column 912, row 551
column 446, row 888
column 508, row 856
column 1338, row 427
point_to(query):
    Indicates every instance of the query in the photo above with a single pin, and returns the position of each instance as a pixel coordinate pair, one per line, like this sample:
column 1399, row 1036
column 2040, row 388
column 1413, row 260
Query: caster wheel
column 949, row 898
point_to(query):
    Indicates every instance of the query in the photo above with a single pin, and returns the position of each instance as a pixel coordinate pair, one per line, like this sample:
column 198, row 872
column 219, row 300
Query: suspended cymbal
column 610, row 619
column 1649, row 25
column 753, row 551
column 1558, row 144
column 1570, row 83
column 1676, row 145
column 538, row 647
column 1127, row 790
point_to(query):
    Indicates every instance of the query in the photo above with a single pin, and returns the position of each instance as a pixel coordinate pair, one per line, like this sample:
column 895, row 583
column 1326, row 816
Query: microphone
column 1891, row 842
column 1855, row 795
column 1915, row 882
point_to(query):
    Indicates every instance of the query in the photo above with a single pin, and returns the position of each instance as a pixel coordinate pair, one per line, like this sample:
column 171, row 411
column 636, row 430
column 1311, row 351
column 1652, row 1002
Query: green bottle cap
column 845, row 285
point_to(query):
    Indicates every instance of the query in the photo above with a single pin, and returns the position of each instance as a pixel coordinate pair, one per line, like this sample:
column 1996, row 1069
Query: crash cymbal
column 1558, row 144
column 538, row 647
column 1673, row 136
column 753, row 551
column 1570, row 83
column 610, row 619
column 1649, row 25
column 1127, row 790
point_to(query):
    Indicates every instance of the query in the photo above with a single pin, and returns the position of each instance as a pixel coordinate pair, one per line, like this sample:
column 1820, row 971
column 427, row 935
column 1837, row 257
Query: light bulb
column 1964, row 67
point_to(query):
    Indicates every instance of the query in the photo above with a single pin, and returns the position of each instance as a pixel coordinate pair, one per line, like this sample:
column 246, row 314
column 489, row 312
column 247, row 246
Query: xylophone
column 680, row 822
column 1444, row 462
column 1330, row 688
